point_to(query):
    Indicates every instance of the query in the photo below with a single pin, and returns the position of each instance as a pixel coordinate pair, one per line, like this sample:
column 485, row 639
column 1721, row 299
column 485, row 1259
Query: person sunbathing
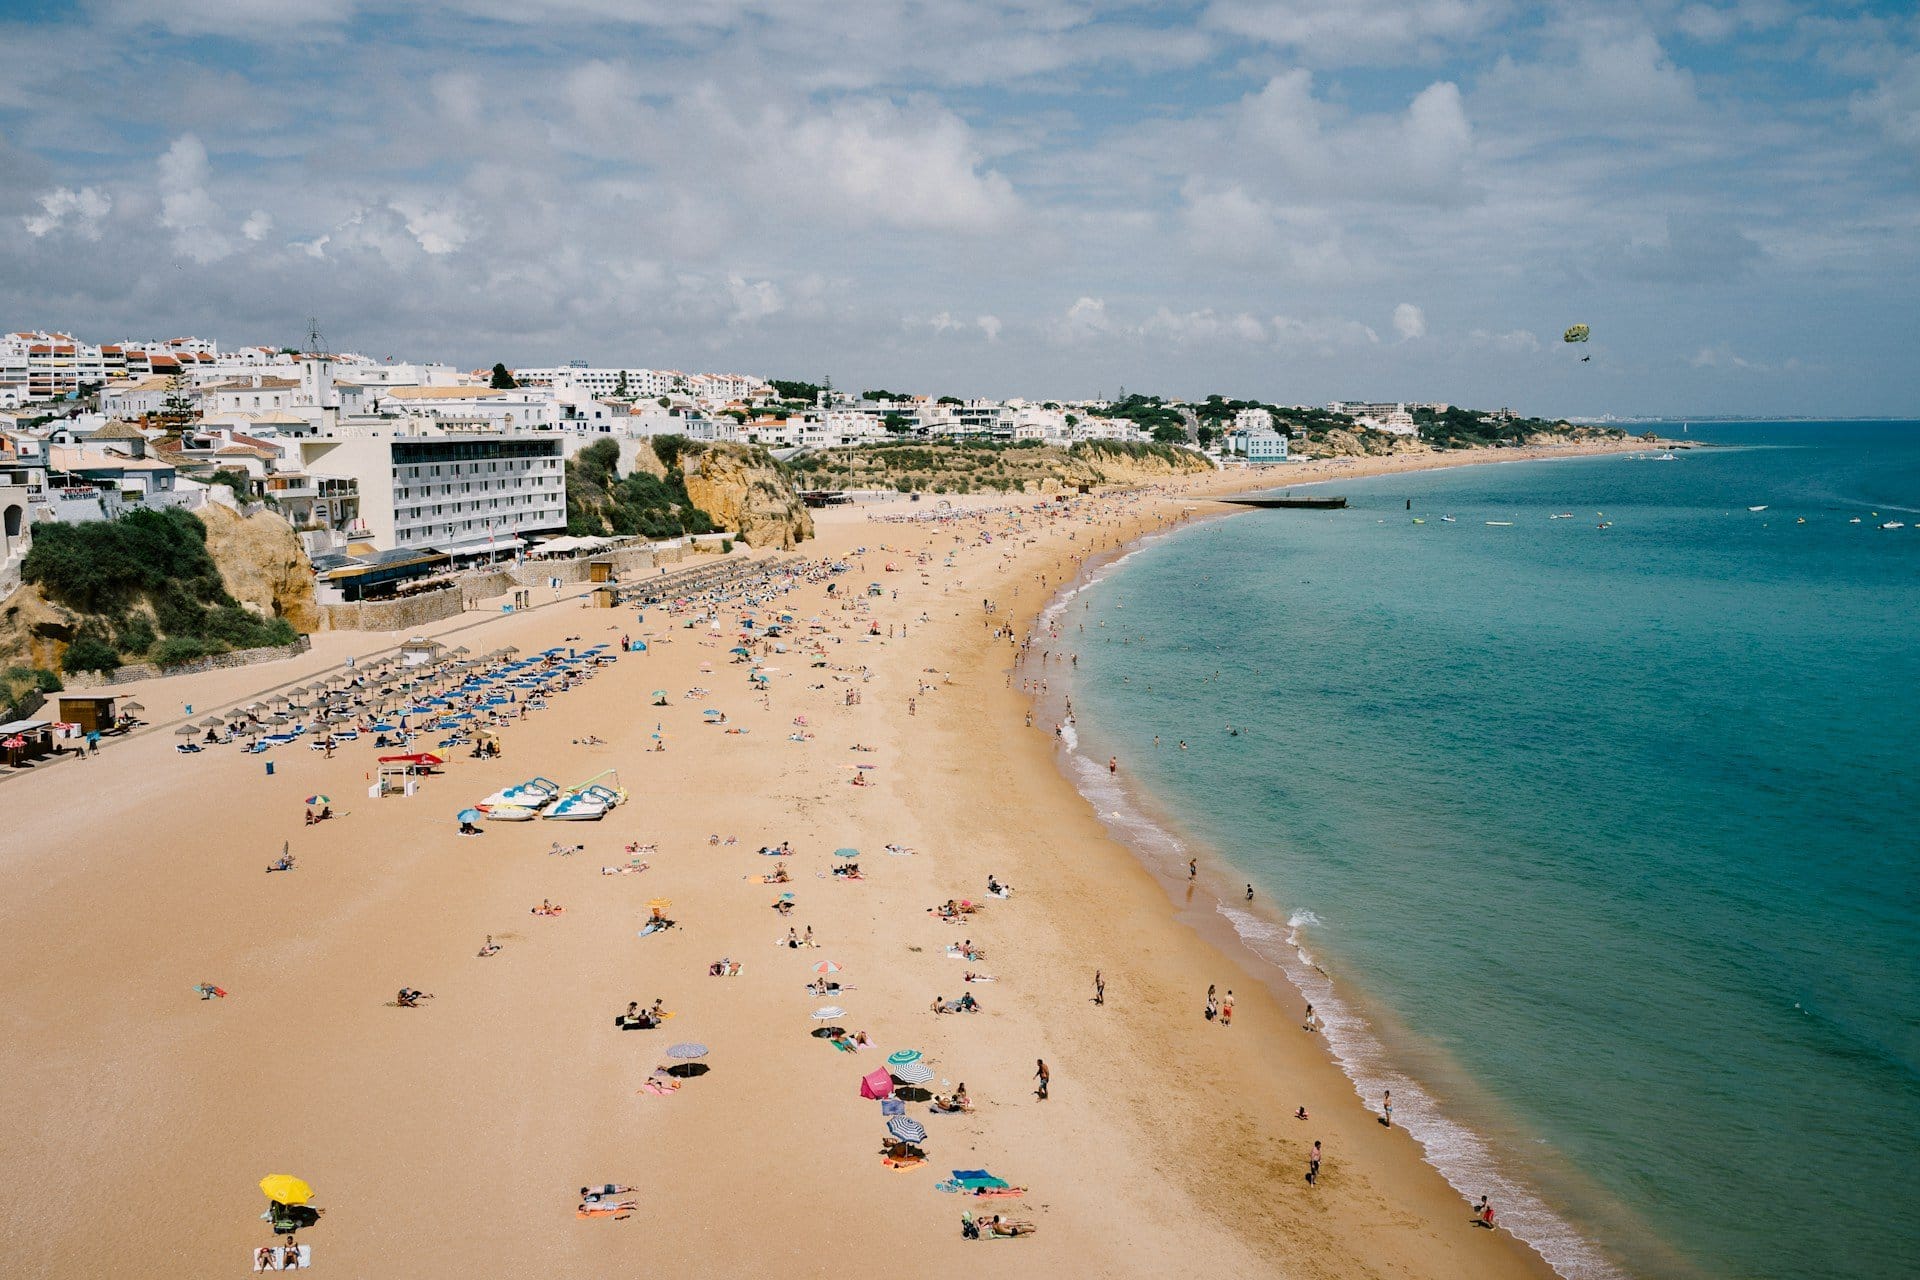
column 408, row 998
column 594, row 1195
column 490, row 947
column 783, row 906
column 860, row 1041
column 999, row 1226
column 546, row 909
column 283, row 863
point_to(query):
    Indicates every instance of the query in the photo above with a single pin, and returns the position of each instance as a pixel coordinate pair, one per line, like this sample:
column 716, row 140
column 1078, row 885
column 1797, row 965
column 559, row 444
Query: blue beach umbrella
column 901, row 1057
column 468, row 815
column 907, row 1129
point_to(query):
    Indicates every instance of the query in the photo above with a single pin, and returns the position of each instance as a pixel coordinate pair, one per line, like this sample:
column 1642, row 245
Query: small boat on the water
column 1564, row 515
column 1761, row 507
column 1855, row 520
column 1500, row 524
column 1894, row 524
column 1446, row 520
column 1418, row 520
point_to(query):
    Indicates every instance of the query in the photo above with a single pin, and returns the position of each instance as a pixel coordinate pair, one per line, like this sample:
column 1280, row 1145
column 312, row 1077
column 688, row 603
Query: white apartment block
column 1253, row 420
column 464, row 493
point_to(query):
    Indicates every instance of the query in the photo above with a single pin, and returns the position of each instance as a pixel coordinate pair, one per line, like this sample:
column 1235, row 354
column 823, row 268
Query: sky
column 1287, row 200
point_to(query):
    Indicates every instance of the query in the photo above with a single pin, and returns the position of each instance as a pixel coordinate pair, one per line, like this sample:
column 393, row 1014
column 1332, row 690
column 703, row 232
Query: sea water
column 1593, row 838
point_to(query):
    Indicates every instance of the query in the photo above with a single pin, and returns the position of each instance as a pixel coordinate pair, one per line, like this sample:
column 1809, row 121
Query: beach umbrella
column 468, row 815
column 686, row 1051
column 907, row 1129
column 319, row 800
column 659, row 904
column 212, row 722
column 185, row 731
column 846, row 853
column 829, row 1012
column 901, row 1057
column 286, row 1188
column 15, row 743
column 131, row 707
column 914, row 1073
column 824, row 966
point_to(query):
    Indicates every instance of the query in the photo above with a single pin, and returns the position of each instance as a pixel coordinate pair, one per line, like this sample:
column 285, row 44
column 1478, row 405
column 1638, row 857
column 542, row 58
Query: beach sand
column 450, row 1139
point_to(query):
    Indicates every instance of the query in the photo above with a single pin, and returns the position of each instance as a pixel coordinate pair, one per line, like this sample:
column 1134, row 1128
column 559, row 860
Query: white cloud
column 437, row 231
column 1409, row 322
column 84, row 209
column 1513, row 341
column 257, row 225
column 1893, row 105
column 1342, row 31
column 1721, row 356
column 754, row 301
column 989, row 325
column 1086, row 319
column 1309, row 146
column 187, row 208
column 1323, row 335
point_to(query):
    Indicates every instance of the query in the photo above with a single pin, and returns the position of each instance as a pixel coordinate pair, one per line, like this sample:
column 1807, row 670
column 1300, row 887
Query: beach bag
column 969, row 1231
column 1210, row 1013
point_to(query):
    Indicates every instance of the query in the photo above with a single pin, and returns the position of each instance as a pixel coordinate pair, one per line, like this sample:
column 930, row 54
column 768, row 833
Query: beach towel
column 604, row 1211
column 283, row 1258
column 659, row 1088
column 843, row 1046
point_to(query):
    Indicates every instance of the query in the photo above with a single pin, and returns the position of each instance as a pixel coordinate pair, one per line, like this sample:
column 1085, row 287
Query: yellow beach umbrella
column 660, row 904
column 286, row 1188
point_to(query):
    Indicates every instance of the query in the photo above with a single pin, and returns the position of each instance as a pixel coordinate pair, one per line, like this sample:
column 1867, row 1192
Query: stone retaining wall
column 79, row 681
column 408, row 613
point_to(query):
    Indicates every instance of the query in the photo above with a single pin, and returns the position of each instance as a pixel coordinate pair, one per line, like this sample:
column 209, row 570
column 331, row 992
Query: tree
column 898, row 423
column 238, row 481
column 620, row 387
column 950, row 400
column 1206, row 435
column 790, row 390
column 881, row 395
column 1168, row 434
column 502, row 380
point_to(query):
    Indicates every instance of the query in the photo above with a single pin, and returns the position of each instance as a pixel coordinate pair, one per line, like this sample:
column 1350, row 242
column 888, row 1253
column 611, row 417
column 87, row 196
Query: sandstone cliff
column 263, row 565
column 970, row 468
column 744, row 493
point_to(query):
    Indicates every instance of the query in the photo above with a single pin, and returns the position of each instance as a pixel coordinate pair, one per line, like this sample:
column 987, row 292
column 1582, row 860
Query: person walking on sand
column 1226, row 1009
column 1099, row 988
column 1483, row 1213
column 1044, row 1076
column 1313, row 1164
column 1386, row 1109
column 1213, row 1005
column 1312, row 1017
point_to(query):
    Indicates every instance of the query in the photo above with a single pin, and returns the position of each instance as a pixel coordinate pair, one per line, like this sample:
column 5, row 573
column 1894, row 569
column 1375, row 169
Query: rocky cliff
column 975, row 468
column 263, row 565
column 744, row 492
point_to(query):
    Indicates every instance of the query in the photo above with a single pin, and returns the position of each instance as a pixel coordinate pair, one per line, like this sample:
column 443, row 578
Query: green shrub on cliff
column 107, row 570
column 600, row 501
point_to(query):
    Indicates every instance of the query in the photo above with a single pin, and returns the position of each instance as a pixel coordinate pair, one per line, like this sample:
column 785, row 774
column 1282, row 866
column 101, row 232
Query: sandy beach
column 451, row 1139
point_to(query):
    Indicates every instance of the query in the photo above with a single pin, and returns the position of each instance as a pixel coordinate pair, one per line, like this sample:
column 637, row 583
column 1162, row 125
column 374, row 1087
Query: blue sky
column 1291, row 199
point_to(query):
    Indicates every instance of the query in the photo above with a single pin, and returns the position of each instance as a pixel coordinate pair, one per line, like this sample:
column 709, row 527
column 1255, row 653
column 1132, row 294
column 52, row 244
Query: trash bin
column 269, row 768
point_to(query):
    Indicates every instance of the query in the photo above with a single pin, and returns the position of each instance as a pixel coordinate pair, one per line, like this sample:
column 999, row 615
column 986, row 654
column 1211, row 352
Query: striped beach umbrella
column 824, row 966
column 686, row 1051
column 319, row 799
column 907, row 1129
column 829, row 1012
column 901, row 1057
column 913, row 1073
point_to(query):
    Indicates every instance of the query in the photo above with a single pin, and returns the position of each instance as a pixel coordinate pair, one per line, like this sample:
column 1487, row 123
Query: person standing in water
column 1249, row 893
column 1386, row 1110
column 1483, row 1213
column 1193, row 870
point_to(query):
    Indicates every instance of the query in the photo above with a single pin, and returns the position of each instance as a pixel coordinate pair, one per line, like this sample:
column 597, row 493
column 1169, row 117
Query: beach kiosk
column 599, row 571
column 93, row 714
column 418, row 652
column 606, row 597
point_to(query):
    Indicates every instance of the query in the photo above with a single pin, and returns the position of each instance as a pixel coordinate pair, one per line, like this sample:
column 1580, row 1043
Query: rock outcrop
column 263, row 565
column 745, row 493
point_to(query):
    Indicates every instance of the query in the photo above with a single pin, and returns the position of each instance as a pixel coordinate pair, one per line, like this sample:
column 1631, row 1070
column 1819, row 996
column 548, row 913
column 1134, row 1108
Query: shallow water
column 1604, row 838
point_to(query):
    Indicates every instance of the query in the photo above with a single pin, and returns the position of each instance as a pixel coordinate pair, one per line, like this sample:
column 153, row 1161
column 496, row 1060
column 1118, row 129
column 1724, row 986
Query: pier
column 1304, row 504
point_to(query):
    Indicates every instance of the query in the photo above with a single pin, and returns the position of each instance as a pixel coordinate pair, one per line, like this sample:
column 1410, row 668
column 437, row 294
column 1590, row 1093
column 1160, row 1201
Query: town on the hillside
column 390, row 469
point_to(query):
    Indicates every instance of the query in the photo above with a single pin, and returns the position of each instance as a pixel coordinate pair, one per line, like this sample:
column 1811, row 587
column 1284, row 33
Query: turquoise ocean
column 1599, row 846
